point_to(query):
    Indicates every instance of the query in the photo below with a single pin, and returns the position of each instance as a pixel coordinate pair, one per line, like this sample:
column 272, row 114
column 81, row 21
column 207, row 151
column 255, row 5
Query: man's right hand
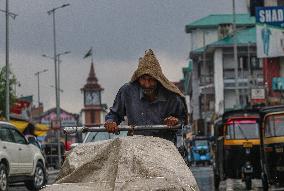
column 111, row 127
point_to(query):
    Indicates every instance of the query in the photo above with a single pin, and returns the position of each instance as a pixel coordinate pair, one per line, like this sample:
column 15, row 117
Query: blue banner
column 273, row 16
column 278, row 84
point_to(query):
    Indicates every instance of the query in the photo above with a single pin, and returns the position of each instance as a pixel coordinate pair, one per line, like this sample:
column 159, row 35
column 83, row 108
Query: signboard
column 55, row 124
column 270, row 31
column 278, row 84
column 257, row 95
column 67, row 119
column 22, row 108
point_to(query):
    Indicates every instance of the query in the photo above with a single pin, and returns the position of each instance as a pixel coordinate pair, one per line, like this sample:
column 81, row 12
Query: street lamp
column 38, row 92
column 236, row 56
column 58, row 71
column 7, row 95
column 52, row 11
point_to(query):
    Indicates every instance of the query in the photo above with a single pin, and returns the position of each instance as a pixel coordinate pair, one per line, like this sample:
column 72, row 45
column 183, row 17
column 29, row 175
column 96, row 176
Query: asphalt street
column 21, row 187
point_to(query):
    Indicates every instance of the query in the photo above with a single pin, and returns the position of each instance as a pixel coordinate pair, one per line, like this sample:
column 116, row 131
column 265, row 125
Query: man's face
column 148, row 84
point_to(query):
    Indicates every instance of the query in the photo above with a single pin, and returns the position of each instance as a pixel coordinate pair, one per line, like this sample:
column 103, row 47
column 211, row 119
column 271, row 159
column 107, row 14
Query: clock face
column 92, row 98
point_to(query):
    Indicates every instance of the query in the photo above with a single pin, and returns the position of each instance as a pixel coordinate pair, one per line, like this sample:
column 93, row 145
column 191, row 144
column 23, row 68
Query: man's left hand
column 171, row 121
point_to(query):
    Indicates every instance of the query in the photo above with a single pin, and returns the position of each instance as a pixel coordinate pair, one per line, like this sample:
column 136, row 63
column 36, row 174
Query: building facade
column 218, row 82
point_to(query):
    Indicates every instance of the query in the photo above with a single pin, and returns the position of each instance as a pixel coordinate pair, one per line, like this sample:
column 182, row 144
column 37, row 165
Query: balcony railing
column 245, row 79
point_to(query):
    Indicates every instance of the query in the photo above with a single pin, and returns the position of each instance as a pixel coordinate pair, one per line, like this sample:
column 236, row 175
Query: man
column 148, row 99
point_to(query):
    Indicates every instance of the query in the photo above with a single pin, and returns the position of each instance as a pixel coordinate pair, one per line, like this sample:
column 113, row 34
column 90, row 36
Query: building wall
column 195, row 92
column 229, row 62
column 268, row 3
column 218, row 81
column 282, row 66
column 230, row 98
column 211, row 35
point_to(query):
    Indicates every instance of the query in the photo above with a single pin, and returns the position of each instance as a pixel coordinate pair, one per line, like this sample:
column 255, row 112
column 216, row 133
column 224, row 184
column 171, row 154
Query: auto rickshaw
column 272, row 146
column 236, row 147
column 200, row 150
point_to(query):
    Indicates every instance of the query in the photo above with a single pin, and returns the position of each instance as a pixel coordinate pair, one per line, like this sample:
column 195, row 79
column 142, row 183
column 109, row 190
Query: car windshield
column 201, row 142
column 242, row 130
column 274, row 125
column 33, row 141
column 100, row 136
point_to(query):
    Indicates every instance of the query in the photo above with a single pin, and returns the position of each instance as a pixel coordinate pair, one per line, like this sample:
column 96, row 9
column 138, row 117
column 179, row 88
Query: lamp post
column 7, row 95
column 236, row 56
column 38, row 92
column 58, row 75
column 58, row 71
column 52, row 11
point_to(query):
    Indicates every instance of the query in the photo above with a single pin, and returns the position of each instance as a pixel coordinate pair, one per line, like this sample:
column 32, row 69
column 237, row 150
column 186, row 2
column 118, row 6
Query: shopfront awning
column 37, row 129
column 20, row 125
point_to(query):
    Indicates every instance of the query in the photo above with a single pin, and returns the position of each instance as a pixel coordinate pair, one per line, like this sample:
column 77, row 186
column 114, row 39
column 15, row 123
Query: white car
column 20, row 161
column 99, row 136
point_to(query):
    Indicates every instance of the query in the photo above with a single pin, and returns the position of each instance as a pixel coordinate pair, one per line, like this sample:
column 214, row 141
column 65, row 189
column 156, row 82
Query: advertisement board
column 257, row 95
column 278, row 84
column 270, row 31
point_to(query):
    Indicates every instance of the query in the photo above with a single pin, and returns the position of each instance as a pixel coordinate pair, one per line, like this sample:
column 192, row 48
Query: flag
column 89, row 53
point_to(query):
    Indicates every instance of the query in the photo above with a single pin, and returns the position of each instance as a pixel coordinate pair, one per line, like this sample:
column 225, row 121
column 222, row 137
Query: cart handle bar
column 101, row 128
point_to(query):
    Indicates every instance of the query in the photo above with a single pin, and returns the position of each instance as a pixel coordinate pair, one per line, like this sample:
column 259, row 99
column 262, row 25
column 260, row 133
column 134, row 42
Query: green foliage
column 12, row 84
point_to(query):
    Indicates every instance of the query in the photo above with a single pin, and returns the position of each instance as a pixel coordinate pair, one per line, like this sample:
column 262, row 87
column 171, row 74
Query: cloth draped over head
column 149, row 65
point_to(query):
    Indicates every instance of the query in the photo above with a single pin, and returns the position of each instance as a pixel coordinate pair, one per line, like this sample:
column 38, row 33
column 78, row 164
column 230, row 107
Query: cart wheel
column 264, row 182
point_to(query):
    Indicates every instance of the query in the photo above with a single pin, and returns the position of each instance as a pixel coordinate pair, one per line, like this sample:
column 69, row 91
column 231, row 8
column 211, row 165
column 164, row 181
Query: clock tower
column 93, row 111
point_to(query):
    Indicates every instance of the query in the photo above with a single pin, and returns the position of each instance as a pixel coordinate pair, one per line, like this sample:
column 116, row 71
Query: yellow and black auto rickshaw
column 272, row 145
column 236, row 148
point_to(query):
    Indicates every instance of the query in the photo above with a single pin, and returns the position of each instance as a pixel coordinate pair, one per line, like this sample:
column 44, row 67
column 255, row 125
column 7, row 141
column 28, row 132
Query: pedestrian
column 148, row 99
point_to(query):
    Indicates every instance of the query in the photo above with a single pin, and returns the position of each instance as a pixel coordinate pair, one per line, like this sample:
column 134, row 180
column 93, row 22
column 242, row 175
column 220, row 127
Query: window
column 18, row 137
column 5, row 135
column 97, row 136
column 201, row 143
column 93, row 117
column 237, row 130
column 274, row 125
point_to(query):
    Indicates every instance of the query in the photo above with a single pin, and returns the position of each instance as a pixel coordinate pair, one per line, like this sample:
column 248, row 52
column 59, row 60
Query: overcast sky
column 119, row 32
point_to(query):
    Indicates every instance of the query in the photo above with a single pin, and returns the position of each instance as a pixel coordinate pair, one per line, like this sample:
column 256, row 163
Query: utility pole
column 7, row 94
column 235, row 56
column 7, row 64
column 38, row 92
column 205, row 95
column 58, row 121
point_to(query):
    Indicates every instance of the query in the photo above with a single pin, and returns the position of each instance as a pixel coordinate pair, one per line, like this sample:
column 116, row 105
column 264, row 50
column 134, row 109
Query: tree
column 12, row 94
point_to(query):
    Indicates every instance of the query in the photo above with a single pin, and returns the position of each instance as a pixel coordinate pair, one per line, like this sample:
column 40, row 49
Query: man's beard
column 149, row 91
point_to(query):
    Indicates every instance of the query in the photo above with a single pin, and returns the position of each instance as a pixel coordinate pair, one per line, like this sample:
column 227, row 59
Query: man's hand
column 111, row 127
column 171, row 121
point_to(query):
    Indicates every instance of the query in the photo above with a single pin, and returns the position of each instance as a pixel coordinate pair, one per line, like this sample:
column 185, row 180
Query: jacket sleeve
column 117, row 111
column 180, row 110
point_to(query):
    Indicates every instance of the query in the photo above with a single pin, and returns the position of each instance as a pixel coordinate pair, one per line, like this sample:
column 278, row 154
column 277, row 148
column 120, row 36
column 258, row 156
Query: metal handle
column 101, row 128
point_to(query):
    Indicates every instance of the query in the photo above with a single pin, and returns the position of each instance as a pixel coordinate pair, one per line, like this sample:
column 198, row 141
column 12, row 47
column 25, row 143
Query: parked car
column 99, row 136
column 33, row 140
column 20, row 161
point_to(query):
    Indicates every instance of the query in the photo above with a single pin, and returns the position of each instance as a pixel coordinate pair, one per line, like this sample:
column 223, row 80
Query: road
column 204, row 178
column 21, row 187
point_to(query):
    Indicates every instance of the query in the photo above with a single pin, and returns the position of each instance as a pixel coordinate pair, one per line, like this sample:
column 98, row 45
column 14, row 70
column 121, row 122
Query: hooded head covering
column 149, row 65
